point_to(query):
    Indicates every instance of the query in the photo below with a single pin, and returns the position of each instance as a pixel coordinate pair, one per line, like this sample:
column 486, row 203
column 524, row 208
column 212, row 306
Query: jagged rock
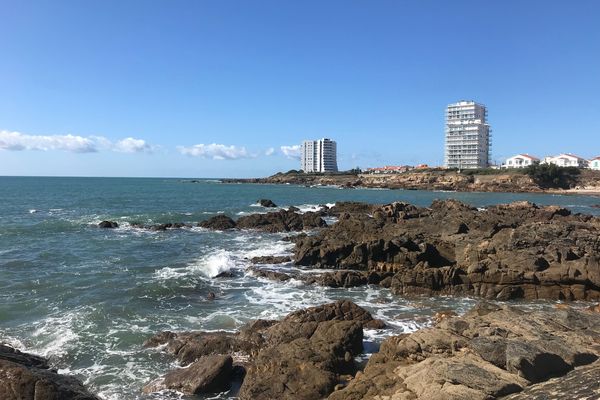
column 207, row 375
column 270, row 274
column 281, row 221
column 266, row 203
column 108, row 224
column 505, row 252
column 302, row 356
column 270, row 260
column 25, row 376
column 490, row 352
column 218, row 223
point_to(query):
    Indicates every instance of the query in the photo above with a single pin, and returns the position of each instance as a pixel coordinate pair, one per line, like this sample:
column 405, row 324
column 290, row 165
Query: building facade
column 566, row 160
column 468, row 138
column 520, row 161
column 318, row 155
column 595, row 163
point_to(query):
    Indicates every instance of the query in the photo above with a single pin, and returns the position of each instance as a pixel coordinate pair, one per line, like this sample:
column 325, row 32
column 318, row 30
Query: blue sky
column 216, row 88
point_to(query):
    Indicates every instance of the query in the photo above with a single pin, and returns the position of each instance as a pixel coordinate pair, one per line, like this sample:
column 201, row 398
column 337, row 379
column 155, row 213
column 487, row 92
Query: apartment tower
column 319, row 156
column 468, row 138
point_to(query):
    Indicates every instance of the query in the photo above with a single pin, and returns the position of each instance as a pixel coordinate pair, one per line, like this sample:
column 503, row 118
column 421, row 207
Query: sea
column 87, row 298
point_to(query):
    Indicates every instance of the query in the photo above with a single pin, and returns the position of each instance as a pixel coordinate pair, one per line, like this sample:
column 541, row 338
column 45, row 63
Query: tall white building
column 468, row 139
column 318, row 155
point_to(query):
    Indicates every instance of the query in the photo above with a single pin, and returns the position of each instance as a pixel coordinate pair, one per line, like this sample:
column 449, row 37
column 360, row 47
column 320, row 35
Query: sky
column 231, row 88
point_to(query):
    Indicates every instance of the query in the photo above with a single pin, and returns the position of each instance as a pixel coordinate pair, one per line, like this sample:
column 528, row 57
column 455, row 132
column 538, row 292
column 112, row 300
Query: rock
column 270, row 260
column 270, row 274
column 337, row 279
column 218, row 223
column 108, row 224
column 281, row 221
column 25, row 376
column 266, row 203
column 224, row 274
column 207, row 375
column 341, row 310
column 305, row 355
column 505, row 252
column 490, row 352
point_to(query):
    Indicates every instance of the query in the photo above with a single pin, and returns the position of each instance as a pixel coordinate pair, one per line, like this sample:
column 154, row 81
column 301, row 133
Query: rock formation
column 504, row 252
column 490, row 352
column 26, row 376
column 303, row 356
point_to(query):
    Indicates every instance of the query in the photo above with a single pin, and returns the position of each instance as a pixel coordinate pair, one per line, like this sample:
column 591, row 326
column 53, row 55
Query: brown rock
column 207, row 375
column 25, row 376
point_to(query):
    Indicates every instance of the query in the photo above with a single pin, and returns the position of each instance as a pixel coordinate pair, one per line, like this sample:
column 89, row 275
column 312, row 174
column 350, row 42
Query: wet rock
column 270, row 260
column 281, row 221
column 108, row 224
column 224, row 274
column 266, row 203
column 25, row 376
column 270, row 274
column 338, row 279
column 504, row 252
column 207, row 375
column 218, row 223
column 305, row 355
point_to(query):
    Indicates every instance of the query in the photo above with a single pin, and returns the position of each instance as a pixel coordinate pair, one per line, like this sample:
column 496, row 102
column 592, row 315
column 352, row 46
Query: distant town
column 468, row 145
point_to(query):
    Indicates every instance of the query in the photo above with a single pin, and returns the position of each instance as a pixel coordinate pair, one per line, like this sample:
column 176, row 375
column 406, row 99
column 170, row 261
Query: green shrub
column 550, row 176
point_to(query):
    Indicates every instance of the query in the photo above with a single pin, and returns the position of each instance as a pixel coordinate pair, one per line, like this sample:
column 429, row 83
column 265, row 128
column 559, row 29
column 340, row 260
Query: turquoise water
column 88, row 298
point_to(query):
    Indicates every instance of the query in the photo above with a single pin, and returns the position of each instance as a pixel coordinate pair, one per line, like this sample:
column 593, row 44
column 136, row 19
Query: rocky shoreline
column 434, row 179
column 500, row 253
column 491, row 352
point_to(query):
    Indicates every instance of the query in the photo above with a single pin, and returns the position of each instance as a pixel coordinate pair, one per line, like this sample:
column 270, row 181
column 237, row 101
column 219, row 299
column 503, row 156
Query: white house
column 595, row 163
column 520, row 161
column 566, row 160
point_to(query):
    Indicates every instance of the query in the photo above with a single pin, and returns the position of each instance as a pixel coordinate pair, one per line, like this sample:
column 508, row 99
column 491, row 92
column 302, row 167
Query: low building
column 567, row 160
column 520, row 161
column 389, row 169
column 595, row 163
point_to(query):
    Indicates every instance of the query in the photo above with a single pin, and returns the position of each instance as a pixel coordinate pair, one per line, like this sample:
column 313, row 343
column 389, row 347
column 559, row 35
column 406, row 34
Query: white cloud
column 215, row 151
column 132, row 145
column 292, row 152
column 17, row 141
column 270, row 151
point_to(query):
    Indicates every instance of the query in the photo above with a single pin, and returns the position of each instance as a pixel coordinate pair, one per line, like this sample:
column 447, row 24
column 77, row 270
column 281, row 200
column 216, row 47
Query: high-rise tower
column 468, row 138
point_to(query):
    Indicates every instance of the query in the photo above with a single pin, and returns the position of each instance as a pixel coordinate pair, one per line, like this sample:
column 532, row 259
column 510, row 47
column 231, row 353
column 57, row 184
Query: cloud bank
column 17, row 141
column 291, row 152
column 215, row 151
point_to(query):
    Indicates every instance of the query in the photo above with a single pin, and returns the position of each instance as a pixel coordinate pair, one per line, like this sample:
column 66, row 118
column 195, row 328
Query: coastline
column 434, row 180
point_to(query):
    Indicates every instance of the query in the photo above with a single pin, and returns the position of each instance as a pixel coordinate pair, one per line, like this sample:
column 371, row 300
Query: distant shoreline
column 510, row 182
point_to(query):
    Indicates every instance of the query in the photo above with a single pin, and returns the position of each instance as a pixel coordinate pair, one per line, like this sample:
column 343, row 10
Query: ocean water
column 87, row 298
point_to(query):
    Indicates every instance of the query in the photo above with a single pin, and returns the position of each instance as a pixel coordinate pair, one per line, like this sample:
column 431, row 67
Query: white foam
column 55, row 335
column 33, row 211
column 214, row 264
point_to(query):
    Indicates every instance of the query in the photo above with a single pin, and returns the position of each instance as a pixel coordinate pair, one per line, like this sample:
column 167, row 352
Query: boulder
column 108, row 224
column 26, row 376
column 266, row 203
column 303, row 356
column 207, row 375
column 218, row 223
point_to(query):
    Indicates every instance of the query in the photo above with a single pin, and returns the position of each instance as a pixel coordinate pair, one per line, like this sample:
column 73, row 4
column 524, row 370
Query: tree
column 551, row 176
